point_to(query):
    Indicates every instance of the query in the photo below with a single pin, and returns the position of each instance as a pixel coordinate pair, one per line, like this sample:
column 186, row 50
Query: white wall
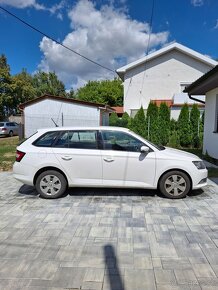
column 38, row 115
column 210, row 139
column 161, row 80
column 175, row 111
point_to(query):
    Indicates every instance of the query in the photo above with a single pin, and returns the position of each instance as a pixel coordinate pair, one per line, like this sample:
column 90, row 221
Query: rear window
column 77, row 139
column 47, row 139
column 1, row 124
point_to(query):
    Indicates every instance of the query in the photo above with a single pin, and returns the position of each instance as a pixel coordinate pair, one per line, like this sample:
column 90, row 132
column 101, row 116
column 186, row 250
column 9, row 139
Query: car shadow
column 28, row 190
column 96, row 191
column 109, row 191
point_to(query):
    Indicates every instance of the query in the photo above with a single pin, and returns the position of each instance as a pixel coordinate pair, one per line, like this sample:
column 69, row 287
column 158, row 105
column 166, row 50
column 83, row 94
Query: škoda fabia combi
column 57, row 158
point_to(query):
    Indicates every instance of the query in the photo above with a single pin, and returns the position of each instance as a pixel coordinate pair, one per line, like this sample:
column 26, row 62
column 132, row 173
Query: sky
column 110, row 32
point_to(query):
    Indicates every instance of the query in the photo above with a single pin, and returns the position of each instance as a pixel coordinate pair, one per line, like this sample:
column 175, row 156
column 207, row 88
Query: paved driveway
column 107, row 239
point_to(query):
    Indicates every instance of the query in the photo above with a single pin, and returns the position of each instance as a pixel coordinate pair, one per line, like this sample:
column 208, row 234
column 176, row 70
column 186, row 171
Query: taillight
column 19, row 155
column 4, row 129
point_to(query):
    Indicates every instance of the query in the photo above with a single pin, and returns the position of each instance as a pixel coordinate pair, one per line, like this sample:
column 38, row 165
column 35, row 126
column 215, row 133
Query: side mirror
column 144, row 149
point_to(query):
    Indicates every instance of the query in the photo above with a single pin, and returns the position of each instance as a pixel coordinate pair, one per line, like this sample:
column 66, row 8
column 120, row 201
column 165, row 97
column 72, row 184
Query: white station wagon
column 56, row 158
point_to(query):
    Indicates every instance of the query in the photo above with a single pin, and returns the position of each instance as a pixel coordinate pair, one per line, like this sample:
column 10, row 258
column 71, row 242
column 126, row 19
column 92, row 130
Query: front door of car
column 123, row 163
column 77, row 152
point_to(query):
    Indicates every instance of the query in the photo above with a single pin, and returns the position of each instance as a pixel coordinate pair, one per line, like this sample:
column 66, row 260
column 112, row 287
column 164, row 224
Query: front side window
column 46, row 140
column 77, row 139
column 120, row 141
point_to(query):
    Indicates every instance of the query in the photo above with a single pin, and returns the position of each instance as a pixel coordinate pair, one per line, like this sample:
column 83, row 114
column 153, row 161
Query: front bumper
column 200, row 179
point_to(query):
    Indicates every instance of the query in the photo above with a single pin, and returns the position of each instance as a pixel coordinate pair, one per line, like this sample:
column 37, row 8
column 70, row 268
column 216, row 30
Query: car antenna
column 56, row 125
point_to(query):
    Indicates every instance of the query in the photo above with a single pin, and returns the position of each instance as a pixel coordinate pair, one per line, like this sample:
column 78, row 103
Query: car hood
column 178, row 154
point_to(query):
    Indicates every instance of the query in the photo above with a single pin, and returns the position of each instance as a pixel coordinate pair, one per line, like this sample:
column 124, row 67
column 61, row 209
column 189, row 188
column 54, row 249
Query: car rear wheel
column 175, row 184
column 11, row 133
column 51, row 184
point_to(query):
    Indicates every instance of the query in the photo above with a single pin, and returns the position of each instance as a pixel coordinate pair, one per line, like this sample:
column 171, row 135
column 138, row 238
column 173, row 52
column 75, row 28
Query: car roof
column 84, row 128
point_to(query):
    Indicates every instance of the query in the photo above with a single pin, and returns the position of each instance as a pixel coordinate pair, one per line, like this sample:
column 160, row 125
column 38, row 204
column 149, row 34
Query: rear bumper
column 4, row 133
column 23, row 173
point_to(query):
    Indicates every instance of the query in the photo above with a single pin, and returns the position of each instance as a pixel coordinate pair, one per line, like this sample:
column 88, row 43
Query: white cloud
column 107, row 36
column 197, row 2
column 22, row 4
column 216, row 25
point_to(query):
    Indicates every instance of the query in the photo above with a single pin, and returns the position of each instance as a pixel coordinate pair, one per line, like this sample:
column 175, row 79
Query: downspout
column 194, row 99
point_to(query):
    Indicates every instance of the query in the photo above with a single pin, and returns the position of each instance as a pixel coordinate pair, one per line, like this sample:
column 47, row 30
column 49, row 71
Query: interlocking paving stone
column 110, row 239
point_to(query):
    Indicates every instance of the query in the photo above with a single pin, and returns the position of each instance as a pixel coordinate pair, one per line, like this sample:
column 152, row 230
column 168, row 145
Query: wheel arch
column 175, row 169
column 49, row 168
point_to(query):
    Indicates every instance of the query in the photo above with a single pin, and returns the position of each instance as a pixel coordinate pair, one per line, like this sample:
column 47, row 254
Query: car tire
column 51, row 184
column 11, row 133
column 175, row 184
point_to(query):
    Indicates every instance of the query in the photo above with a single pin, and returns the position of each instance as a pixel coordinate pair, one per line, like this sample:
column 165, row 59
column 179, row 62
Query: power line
column 148, row 44
column 56, row 41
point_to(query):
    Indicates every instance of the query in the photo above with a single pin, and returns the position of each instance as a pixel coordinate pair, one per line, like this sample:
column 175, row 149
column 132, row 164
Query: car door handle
column 66, row 158
column 108, row 159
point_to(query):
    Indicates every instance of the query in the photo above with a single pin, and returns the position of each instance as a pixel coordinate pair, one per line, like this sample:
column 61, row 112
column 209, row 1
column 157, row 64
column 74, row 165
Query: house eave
column 174, row 46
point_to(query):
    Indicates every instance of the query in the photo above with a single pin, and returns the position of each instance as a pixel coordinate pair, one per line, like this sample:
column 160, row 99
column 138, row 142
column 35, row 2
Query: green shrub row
column 157, row 127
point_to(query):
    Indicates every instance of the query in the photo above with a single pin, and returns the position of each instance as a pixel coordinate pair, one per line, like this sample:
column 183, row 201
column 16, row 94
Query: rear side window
column 77, row 139
column 47, row 139
column 1, row 124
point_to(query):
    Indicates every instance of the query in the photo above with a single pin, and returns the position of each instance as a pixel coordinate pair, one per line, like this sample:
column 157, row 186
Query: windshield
column 1, row 124
column 158, row 147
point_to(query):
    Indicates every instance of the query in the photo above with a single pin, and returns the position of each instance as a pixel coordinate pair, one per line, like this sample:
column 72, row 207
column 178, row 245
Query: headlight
column 199, row 164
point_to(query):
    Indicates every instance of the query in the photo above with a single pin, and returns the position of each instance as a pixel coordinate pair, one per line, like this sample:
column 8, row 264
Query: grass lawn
column 7, row 152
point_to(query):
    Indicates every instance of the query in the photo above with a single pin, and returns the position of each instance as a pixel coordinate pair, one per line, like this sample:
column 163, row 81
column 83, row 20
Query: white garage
column 50, row 111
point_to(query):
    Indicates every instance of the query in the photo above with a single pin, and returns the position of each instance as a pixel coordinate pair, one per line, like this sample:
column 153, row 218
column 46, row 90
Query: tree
column 113, row 119
column 6, row 89
column 152, row 121
column 164, row 124
column 195, row 125
column 48, row 83
column 138, row 123
column 184, row 129
column 125, row 120
column 109, row 92
column 23, row 89
column 70, row 94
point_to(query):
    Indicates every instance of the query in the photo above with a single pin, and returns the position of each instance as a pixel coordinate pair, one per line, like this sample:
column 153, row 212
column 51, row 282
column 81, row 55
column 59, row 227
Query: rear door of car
column 78, row 153
column 123, row 163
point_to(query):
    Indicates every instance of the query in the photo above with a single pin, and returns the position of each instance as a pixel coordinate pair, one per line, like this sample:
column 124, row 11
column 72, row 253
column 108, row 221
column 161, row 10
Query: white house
column 48, row 110
column 208, row 85
column 162, row 75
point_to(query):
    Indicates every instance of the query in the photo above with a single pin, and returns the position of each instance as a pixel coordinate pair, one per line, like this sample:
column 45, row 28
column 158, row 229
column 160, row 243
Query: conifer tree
column 113, row 119
column 124, row 120
column 164, row 124
column 138, row 123
column 195, row 125
column 152, row 123
column 184, row 129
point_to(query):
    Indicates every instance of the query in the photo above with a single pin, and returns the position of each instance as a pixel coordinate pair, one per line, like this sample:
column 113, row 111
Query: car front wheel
column 51, row 184
column 175, row 184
